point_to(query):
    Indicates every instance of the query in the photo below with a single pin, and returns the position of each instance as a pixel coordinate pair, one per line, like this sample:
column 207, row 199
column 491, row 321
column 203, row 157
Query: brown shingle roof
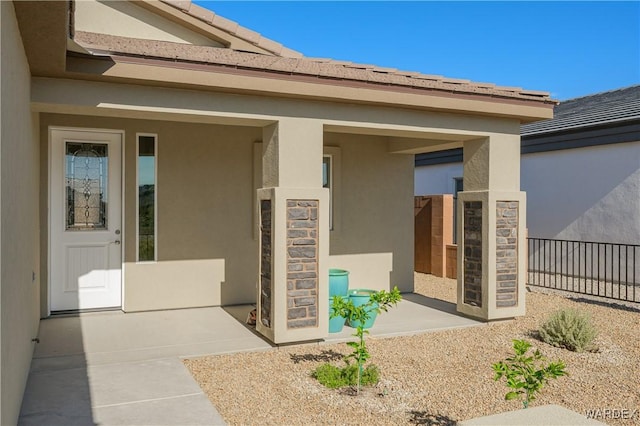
column 320, row 68
column 231, row 27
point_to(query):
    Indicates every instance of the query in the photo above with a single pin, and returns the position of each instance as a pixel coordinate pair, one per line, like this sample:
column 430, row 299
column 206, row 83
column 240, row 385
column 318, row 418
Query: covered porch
column 242, row 131
column 115, row 368
column 236, row 186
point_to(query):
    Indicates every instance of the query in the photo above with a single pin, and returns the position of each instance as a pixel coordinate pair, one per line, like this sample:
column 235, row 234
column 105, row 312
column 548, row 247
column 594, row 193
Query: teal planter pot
column 336, row 324
column 338, row 282
column 361, row 297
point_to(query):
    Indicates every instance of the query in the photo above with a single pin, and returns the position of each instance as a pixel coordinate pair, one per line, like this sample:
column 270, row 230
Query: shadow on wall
column 585, row 194
column 174, row 284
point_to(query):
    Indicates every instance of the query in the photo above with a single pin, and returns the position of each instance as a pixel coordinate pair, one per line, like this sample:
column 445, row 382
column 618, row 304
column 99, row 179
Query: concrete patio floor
column 111, row 368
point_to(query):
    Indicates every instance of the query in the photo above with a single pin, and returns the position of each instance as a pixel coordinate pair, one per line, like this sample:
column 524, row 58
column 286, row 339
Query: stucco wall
column 437, row 179
column 205, row 195
column 374, row 238
column 126, row 19
column 588, row 194
column 19, row 315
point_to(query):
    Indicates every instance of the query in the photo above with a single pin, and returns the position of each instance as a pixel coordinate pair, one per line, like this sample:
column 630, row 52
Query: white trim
column 49, row 179
column 335, row 155
column 50, row 131
column 155, row 197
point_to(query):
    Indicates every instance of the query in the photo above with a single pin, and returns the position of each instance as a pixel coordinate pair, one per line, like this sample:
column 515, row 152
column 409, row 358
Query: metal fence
column 600, row 269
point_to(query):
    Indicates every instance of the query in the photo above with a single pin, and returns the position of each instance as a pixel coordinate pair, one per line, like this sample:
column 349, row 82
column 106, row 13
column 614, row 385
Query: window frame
column 331, row 185
column 334, row 153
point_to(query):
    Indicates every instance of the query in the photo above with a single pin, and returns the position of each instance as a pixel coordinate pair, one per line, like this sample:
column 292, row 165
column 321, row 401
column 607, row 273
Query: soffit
column 44, row 27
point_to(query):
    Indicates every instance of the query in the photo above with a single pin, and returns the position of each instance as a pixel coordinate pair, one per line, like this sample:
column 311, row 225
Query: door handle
column 117, row 242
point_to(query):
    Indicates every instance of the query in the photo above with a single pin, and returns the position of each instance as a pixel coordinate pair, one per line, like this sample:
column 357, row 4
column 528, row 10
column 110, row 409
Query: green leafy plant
column 334, row 377
column 524, row 374
column 378, row 302
column 570, row 329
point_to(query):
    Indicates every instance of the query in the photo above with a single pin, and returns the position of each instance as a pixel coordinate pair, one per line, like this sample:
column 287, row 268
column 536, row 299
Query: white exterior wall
column 437, row 179
column 587, row 194
column 19, row 154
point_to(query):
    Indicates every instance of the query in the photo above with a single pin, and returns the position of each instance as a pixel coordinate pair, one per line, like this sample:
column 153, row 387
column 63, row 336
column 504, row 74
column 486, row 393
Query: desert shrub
column 570, row 329
column 334, row 377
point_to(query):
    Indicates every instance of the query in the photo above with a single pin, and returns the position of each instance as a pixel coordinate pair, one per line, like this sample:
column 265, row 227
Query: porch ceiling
column 405, row 141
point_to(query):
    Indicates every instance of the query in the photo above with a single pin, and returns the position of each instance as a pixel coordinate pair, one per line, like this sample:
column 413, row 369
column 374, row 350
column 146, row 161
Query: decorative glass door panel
column 85, row 271
column 87, row 177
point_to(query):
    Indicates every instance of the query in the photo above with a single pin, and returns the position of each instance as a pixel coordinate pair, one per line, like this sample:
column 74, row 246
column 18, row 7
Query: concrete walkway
column 111, row 368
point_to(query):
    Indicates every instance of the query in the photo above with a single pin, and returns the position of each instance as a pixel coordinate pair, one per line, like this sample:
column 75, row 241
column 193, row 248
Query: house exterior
column 155, row 155
column 580, row 170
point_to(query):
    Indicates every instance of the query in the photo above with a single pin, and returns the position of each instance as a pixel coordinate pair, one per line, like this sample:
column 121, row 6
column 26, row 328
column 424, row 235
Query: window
column 327, row 182
column 86, row 169
column 147, row 194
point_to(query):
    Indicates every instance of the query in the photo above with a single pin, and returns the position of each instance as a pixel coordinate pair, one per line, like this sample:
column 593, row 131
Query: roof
column 602, row 108
column 216, row 21
column 318, row 68
column 600, row 119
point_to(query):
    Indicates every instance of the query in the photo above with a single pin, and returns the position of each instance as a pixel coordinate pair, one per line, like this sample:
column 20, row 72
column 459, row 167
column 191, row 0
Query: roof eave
column 160, row 72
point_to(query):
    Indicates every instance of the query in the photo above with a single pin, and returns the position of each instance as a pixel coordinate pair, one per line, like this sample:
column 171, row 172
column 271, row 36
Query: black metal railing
column 600, row 269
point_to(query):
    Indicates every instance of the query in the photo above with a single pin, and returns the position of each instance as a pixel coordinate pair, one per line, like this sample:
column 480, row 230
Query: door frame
column 50, row 131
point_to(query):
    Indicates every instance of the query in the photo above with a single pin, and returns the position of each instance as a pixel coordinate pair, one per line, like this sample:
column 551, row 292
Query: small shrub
column 570, row 329
column 368, row 376
column 524, row 374
column 384, row 300
column 333, row 377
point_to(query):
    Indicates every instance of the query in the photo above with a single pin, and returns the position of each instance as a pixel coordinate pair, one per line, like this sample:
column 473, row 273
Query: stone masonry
column 265, row 262
column 506, row 254
column 302, row 263
column 473, row 253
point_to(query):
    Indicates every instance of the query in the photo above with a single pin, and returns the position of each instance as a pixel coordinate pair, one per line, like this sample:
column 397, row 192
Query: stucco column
column 491, row 224
column 292, row 293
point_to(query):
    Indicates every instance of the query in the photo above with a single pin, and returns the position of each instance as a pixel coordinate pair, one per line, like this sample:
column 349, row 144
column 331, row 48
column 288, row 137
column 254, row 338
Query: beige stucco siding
column 373, row 236
column 205, row 196
column 126, row 19
column 19, row 294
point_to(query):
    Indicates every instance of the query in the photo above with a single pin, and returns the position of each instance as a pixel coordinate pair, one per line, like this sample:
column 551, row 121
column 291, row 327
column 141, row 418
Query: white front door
column 85, row 220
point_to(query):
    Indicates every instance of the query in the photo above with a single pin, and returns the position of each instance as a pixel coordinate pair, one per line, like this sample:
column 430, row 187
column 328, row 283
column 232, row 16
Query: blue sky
column 567, row 48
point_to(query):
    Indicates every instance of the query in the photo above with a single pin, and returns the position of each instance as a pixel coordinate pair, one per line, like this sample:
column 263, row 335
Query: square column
column 491, row 224
column 292, row 293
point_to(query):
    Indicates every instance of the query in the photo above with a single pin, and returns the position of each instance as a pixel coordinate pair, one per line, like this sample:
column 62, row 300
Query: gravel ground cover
column 435, row 378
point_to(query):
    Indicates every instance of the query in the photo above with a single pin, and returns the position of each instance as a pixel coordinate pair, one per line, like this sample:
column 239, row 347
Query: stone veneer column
column 491, row 238
column 293, row 279
column 302, row 263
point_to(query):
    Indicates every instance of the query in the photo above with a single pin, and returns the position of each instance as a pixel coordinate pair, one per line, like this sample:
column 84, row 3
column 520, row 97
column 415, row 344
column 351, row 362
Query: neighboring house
column 155, row 155
column 580, row 170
